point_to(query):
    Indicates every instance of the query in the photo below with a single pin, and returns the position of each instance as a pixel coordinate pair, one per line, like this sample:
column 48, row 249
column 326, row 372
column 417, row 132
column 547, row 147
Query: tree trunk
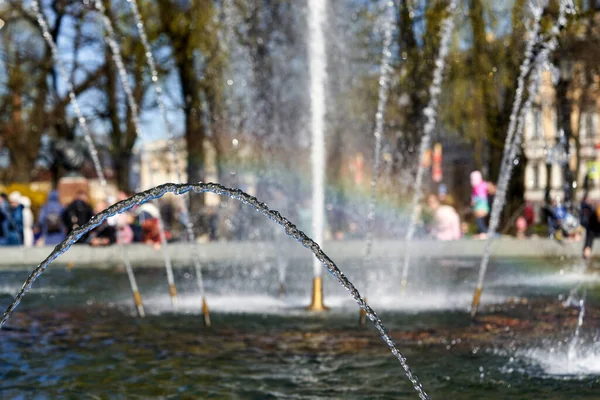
column 122, row 163
column 194, row 131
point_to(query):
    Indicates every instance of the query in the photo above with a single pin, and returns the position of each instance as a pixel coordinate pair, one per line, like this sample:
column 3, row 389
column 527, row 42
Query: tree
column 32, row 101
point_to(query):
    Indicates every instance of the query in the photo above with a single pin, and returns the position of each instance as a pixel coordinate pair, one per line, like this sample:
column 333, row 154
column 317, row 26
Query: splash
column 558, row 362
column 245, row 198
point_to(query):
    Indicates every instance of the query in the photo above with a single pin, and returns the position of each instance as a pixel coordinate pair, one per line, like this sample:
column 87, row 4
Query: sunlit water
column 75, row 335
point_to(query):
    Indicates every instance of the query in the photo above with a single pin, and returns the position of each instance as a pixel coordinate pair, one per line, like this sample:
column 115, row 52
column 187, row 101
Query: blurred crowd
column 19, row 226
column 441, row 219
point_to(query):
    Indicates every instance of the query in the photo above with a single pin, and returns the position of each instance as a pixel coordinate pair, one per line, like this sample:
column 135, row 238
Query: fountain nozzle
column 317, row 296
column 362, row 319
column 403, row 285
column 205, row 312
column 174, row 299
column 281, row 289
column 475, row 303
column 137, row 298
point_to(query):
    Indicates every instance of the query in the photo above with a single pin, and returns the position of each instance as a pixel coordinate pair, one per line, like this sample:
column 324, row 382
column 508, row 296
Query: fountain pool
column 75, row 334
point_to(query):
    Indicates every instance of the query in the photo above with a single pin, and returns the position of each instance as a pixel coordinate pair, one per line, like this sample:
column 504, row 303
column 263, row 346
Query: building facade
column 544, row 143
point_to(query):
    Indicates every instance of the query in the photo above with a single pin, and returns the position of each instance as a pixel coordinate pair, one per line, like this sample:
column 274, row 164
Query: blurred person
column 592, row 231
column 521, row 226
column 15, row 214
column 464, row 229
column 480, row 202
column 77, row 213
column 443, row 193
column 555, row 218
column 151, row 232
column 106, row 233
column 142, row 213
column 28, row 222
column 561, row 223
column 4, row 219
column 589, row 221
column 50, row 223
column 529, row 214
column 445, row 223
column 124, row 223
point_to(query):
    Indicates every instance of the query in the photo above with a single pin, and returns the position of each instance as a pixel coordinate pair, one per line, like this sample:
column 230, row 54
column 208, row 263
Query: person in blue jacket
column 50, row 223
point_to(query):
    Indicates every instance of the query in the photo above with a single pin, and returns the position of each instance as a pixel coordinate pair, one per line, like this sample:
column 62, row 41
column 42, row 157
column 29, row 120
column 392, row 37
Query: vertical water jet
column 316, row 49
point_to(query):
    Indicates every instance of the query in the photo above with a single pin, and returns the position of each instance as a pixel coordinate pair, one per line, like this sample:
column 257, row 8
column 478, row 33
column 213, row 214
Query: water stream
column 118, row 60
column 430, row 113
column 511, row 150
column 88, row 139
column 317, row 57
column 237, row 194
column 170, row 136
column 384, row 81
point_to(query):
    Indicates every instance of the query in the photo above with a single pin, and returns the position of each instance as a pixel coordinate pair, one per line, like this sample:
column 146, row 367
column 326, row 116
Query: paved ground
column 182, row 253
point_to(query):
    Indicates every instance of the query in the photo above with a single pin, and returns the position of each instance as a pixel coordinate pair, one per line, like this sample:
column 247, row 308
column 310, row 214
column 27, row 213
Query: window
column 535, row 176
column 590, row 131
column 537, row 123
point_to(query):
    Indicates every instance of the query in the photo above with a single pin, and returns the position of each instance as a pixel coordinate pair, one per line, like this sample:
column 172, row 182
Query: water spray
column 118, row 60
column 81, row 120
column 430, row 113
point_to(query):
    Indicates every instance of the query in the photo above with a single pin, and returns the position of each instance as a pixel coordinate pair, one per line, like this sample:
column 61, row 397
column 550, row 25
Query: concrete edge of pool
column 182, row 254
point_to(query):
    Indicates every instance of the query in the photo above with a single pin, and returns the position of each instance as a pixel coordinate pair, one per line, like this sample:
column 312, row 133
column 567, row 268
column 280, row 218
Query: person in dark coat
column 590, row 221
column 106, row 233
column 15, row 223
column 78, row 213
column 4, row 219
column 50, row 222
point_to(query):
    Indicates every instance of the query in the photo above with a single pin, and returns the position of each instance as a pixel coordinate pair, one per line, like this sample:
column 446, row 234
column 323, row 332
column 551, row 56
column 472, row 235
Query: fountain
column 260, row 338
